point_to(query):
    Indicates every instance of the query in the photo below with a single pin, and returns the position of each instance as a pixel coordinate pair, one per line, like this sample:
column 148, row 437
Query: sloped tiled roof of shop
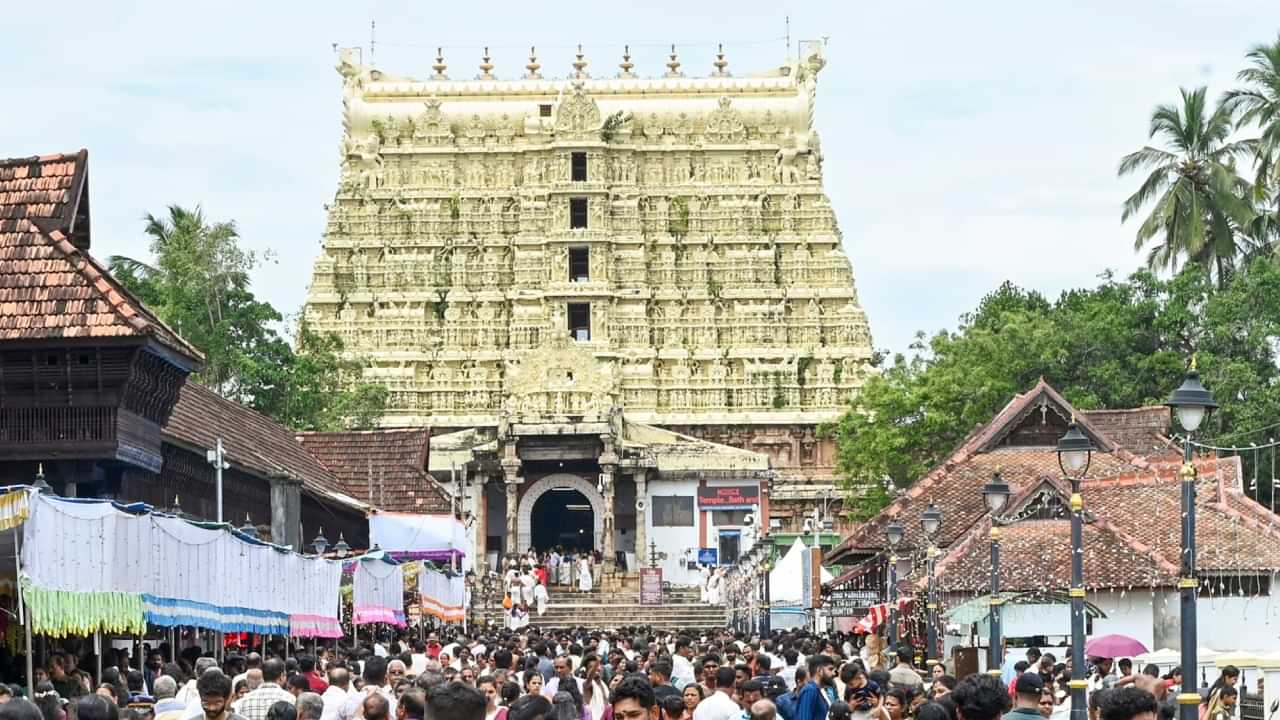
column 955, row 485
column 251, row 440
column 385, row 468
column 1133, row 538
column 50, row 286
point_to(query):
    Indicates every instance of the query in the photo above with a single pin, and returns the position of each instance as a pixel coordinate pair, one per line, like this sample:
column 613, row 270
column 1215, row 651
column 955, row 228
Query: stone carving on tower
column 673, row 229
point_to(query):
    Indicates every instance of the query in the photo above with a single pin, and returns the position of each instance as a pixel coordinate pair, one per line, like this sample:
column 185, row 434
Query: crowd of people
column 581, row 674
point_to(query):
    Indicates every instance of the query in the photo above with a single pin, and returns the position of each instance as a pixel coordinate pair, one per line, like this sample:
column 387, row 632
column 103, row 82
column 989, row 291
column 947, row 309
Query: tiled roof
column 954, row 485
column 251, row 441
column 50, row 287
column 1142, row 431
column 1233, row 532
column 957, row 493
column 1036, row 555
column 385, row 468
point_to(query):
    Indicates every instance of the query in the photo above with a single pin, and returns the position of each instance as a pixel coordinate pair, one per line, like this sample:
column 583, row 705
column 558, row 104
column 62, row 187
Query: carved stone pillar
column 607, row 475
column 512, row 481
column 642, row 518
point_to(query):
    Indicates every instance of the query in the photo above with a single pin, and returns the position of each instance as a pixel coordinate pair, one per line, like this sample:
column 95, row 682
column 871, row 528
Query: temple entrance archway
column 562, row 517
column 556, row 500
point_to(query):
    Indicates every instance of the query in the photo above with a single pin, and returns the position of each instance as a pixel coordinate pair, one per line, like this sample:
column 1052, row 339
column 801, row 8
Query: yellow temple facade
column 657, row 247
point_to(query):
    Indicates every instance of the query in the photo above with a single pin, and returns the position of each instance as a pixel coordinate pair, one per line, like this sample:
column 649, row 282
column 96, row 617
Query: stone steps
column 613, row 615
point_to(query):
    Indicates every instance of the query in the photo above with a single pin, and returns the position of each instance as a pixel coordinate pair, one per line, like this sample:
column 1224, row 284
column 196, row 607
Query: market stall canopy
column 438, row 538
column 786, row 580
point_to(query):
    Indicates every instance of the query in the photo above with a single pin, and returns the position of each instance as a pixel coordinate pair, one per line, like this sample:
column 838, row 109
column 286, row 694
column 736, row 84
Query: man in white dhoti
column 541, row 598
column 704, row 578
column 527, row 581
column 584, row 574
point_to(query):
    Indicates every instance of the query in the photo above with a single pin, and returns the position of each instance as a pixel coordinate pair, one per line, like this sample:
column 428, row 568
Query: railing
column 33, row 425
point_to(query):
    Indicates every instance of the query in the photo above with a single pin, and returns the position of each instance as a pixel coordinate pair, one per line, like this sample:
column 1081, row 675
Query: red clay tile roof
column 1036, row 555
column 50, row 287
column 385, row 468
column 954, row 485
column 1142, row 431
column 251, row 441
column 1134, row 540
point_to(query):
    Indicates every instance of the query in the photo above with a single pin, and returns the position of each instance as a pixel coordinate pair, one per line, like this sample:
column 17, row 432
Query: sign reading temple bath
column 650, row 586
column 729, row 496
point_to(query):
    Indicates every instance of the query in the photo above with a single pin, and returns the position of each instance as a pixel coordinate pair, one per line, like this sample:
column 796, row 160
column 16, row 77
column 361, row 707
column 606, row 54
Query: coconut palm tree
column 1258, row 103
column 1198, row 198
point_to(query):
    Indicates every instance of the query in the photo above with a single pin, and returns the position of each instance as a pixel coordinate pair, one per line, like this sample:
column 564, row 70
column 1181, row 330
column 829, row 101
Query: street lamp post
column 931, row 519
column 1075, row 450
column 893, row 533
column 996, row 495
column 1191, row 403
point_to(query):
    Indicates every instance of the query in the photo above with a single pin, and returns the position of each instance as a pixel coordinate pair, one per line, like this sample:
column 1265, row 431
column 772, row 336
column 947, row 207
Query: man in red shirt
column 307, row 666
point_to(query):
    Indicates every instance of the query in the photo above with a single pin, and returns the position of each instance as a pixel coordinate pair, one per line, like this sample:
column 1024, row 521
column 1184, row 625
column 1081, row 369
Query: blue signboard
column 706, row 556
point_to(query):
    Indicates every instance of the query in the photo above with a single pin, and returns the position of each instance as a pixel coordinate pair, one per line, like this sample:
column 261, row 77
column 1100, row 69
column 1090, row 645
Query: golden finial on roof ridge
column 673, row 65
column 580, row 64
column 532, row 66
column 626, row 63
column 720, row 63
column 440, row 66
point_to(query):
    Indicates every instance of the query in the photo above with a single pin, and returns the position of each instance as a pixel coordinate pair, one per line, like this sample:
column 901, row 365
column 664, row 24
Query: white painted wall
column 1128, row 612
column 671, row 540
column 1251, row 624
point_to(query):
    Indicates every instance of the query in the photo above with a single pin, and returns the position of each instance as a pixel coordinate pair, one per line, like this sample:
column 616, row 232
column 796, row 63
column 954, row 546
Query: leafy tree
column 1122, row 344
column 1198, row 200
column 199, row 283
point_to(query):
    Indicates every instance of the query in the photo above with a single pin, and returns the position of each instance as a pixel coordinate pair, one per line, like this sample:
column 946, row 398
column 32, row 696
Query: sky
column 966, row 143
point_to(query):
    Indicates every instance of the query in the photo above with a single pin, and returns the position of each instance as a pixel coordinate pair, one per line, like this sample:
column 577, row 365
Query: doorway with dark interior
column 562, row 517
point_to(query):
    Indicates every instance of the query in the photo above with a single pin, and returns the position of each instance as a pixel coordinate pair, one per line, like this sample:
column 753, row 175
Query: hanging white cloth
column 442, row 596
column 378, row 593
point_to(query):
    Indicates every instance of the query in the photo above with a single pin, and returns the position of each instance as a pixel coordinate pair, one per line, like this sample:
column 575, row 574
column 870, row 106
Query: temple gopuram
column 620, row 303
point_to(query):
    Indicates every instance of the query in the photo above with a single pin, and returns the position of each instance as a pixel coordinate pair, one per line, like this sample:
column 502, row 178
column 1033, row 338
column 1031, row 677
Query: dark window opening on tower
column 544, row 111
column 580, row 321
column 579, row 166
column 577, row 213
column 579, row 264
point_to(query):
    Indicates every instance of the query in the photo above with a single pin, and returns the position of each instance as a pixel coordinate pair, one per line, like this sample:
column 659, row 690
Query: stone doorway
column 561, row 489
column 562, row 517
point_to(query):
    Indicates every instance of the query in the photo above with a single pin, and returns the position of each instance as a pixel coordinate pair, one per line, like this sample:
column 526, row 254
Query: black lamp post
column 931, row 519
column 1075, row 450
column 893, row 533
column 996, row 495
column 1191, row 403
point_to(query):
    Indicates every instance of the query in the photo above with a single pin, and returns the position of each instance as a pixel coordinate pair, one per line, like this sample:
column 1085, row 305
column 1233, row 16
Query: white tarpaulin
column 378, row 592
column 438, row 538
column 186, row 573
column 786, row 580
column 442, row 595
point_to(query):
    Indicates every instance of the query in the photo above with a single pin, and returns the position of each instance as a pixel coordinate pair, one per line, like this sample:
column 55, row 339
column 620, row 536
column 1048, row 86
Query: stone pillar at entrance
column 642, row 514
column 607, row 474
column 511, row 476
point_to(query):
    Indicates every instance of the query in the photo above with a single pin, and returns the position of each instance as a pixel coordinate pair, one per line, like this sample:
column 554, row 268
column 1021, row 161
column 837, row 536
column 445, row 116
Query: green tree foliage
column 1199, row 201
column 198, row 283
column 1122, row 344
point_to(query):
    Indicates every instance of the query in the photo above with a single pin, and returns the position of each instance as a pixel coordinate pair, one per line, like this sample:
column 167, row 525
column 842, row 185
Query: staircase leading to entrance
column 612, row 609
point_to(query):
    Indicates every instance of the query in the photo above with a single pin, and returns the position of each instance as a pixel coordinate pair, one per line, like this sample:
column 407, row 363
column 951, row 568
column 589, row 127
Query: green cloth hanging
column 58, row 613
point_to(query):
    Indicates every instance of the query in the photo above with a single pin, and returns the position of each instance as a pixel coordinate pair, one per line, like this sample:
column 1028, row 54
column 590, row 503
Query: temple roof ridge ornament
column 532, row 65
column 486, row 67
column 720, row 63
column 439, row 67
column 626, row 63
column 580, row 65
column 673, row 64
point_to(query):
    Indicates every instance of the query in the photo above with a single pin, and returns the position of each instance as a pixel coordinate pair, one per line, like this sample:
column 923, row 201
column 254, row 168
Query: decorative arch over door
column 524, row 517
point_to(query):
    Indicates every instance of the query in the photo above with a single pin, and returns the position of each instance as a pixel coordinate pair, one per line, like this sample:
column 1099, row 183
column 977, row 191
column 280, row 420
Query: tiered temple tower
column 675, row 228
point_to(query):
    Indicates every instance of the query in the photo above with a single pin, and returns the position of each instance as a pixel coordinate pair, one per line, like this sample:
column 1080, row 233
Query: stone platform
column 608, row 610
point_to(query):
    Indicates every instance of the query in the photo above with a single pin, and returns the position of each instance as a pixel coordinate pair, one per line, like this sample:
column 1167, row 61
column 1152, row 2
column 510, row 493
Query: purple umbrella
column 1114, row 646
